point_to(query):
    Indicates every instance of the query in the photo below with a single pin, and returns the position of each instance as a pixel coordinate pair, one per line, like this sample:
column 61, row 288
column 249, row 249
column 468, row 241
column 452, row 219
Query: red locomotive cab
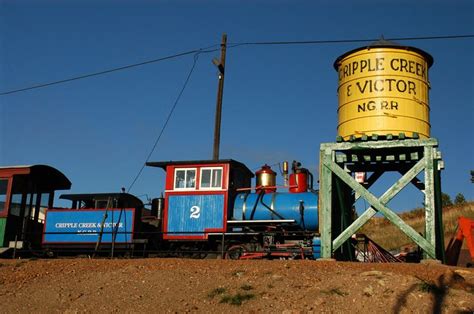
column 266, row 179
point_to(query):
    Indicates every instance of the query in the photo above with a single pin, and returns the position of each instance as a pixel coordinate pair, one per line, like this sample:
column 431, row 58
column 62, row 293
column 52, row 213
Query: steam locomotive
column 209, row 207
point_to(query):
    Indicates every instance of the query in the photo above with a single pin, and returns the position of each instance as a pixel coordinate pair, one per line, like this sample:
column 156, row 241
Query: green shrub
column 216, row 291
column 237, row 299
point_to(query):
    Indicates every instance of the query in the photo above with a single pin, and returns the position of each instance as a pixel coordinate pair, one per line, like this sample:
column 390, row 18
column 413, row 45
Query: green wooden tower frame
column 339, row 190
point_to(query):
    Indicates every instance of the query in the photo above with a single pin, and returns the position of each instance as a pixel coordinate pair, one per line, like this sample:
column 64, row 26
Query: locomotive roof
column 94, row 196
column 232, row 162
column 45, row 177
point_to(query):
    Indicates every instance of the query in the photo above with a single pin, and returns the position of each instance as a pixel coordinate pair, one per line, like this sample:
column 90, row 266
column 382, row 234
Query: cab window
column 211, row 178
column 185, row 179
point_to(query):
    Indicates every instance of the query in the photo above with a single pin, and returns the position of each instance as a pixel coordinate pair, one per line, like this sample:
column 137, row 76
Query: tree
column 446, row 200
column 459, row 199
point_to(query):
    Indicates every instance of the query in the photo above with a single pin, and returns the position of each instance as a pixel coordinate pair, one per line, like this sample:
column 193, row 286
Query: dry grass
column 391, row 238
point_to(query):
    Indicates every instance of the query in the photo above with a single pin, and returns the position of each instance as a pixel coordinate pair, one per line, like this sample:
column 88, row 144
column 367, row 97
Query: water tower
column 383, row 126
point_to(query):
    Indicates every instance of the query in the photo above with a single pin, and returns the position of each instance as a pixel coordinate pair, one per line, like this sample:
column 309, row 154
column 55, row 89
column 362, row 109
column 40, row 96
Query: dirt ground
column 216, row 286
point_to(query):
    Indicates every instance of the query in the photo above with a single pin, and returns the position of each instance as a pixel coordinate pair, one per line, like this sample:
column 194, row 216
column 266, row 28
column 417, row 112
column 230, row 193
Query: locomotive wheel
column 235, row 252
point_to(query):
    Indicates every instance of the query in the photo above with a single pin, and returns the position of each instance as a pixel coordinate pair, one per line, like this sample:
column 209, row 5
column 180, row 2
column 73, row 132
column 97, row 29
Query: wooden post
column 220, row 91
column 430, row 232
column 440, row 249
column 325, row 203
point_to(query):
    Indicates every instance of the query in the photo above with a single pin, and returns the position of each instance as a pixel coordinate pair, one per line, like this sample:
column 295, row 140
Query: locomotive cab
column 199, row 196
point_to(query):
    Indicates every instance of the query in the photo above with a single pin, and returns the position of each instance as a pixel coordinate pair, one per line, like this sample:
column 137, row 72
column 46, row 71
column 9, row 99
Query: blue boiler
column 301, row 207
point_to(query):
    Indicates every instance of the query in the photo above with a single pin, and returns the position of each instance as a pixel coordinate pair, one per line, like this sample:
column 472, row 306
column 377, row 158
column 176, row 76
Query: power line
column 196, row 56
column 231, row 45
column 341, row 41
column 125, row 67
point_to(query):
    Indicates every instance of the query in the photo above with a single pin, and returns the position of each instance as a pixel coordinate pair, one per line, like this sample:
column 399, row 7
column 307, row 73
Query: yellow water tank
column 383, row 89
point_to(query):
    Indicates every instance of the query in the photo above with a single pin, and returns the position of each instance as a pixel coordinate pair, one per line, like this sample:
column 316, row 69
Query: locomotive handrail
column 267, row 187
column 99, row 238
column 235, row 222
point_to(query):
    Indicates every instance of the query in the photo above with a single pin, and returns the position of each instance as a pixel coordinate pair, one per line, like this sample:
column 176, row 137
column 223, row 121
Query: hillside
column 387, row 235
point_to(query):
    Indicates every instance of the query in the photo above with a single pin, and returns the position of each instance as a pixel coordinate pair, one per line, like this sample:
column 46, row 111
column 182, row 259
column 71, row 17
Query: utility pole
column 220, row 64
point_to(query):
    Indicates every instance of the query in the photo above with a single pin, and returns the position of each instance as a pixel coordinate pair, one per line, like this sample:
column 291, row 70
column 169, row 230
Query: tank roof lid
column 383, row 43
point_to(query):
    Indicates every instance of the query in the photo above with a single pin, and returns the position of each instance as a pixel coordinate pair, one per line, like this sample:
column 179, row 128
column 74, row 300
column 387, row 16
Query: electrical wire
column 229, row 46
column 196, row 57
column 341, row 41
column 125, row 67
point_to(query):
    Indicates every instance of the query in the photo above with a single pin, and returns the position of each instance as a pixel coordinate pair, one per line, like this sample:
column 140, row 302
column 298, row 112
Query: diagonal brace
column 387, row 212
column 370, row 181
column 384, row 199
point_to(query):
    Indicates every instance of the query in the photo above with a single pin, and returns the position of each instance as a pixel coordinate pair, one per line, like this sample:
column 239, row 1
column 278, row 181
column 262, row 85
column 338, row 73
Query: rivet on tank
column 384, row 89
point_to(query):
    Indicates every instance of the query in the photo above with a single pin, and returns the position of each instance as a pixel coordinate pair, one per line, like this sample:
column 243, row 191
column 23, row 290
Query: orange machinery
column 465, row 230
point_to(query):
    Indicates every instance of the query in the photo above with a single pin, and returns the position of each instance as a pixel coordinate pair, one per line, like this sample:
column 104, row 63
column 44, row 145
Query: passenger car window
column 3, row 193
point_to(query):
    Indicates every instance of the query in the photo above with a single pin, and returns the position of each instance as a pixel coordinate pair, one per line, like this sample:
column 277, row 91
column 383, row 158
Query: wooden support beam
column 385, row 167
column 370, row 181
column 325, row 202
column 430, row 226
column 416, row 182
column 380, row 144
column 384, row 199
column 387, row 212
column 440, row 250
column 341, row 158
column 414, row 156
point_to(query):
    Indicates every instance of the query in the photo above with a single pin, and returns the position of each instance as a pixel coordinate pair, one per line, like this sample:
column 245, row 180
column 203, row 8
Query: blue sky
column 280, row 102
